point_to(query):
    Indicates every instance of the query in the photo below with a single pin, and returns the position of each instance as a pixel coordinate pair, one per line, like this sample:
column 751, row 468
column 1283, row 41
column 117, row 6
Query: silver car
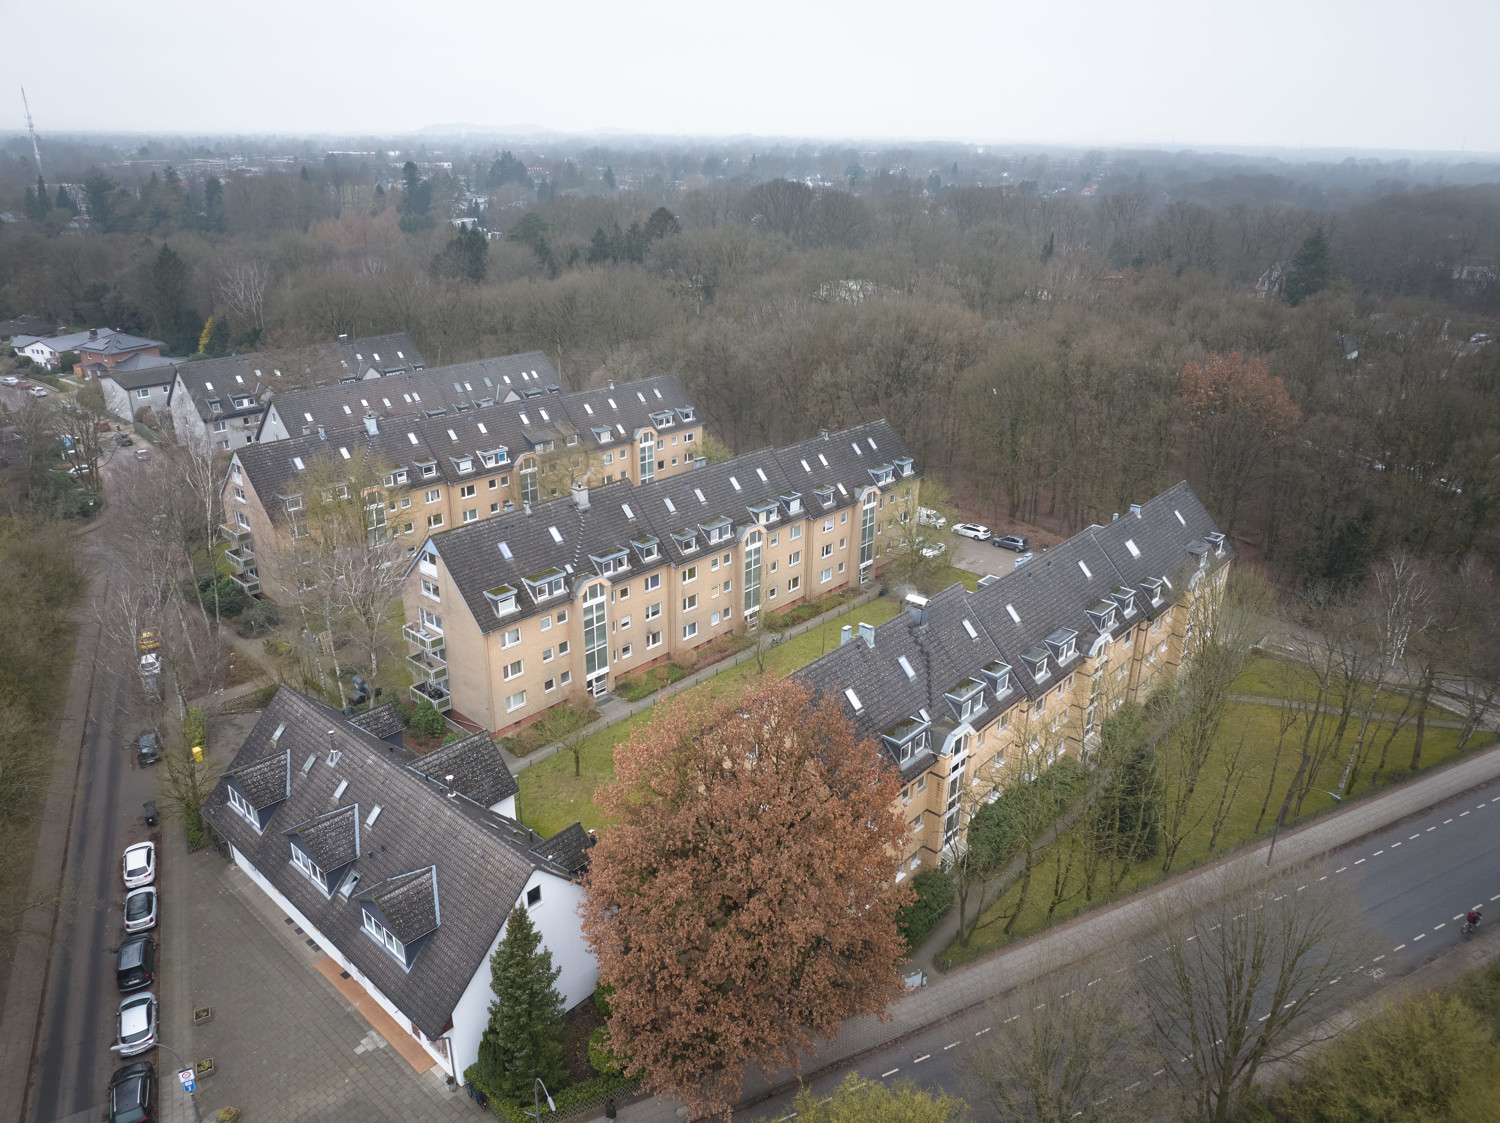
column 140, row 909
column 136, row 1026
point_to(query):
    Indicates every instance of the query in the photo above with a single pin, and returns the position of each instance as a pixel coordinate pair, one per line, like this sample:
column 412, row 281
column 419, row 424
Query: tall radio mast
column 35, row 151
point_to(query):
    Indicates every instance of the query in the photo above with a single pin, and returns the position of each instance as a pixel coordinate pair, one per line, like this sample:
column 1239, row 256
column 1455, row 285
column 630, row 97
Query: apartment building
column 964, row 691
column 513, row 615
column 447, row 467
column 223, row 401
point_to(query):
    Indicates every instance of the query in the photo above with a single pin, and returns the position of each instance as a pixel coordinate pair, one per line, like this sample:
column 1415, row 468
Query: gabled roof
column 474, row 767
column 264, row 780
column 140, row 369
column 331, row 840
column 480, row 863
column 674, row 516
column 1011, row 617
column 260, row 374
column 569, row 847
column 382, row 721
column 408, row 903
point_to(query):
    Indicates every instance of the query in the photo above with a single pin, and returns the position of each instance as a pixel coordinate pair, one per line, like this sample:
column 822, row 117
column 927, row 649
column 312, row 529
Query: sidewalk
column 614, row 709
column 1105, row 928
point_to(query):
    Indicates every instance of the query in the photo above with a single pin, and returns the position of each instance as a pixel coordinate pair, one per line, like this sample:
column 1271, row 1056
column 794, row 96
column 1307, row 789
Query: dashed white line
column 1431, row 829
column 1043, row 1006
column 1143, row 958
column 1361, row 861
column 1447, row 821
column 1158, row 1072
column 1461, row 814
column 1190, row 939
column 1417, row 835
column 923, row 1057
column 1263, row 1017
column 1137, row 1084
column 1394, row 845
column 893, row 1072
column 1444, row 924
column 1377, row 959
column 1010, row 1019
column 1341, row 869
column 1068, row 995
column 1423, row 936
column 1300, row 888
column 1290, row 1004
column 1323, row 878
column 982, row 1032
column 1398, row 947
column 1496, row 897
column 1098, row 980
column 1377, row 853
column 953, row 1046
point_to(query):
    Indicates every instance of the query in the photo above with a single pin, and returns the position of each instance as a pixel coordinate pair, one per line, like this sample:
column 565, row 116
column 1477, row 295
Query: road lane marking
column 1456, row 917
column 1043, row 1006
column 1431, row 829
column 1098, row 980
column 1496, row 897
column 1300, row 888
column 1143, row 958
column 893, row 1072
column 982, row 1032
column 1290, row 1004
column 1447, row 821
column 923, row 1057
column 1398, row 947
column 1263, row 1017
column 1158, row 1072
column 1137, row 1084
column 1377, row 959
column 1360, row 862
column 1190, row 939
column 1461, row 814
column 1377, row 853
column 1323, row 878
column 1417, row 835
column 1008, row 1020
column 953, row 1046
column 1341, row 869
column 1444, row 924
column 1068, row 995
column 1423, row 936
column 1394, row 845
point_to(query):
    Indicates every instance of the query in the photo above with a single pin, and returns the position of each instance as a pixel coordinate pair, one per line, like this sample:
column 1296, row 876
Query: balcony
column 419, row 635
column 248, row 580
column 234, row 533
column 431, row 667
column 430, row 692
column 241, row 556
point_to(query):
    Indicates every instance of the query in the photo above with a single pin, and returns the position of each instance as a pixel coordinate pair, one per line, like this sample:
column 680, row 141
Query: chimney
column 581, row 496
column 916, row 608
column 93, row 333
column 823, row 433
column 867, row 633
column 322, row 436
column 372, row 426
column 846, row 633
column 526, row 505
column 333, row 752
column 1135, row 509
column 611, row 383
column 343, row 338
column 1115, row 517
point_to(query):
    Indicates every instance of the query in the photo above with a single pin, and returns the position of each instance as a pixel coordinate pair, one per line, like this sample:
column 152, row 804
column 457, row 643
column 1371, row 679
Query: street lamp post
column 536, row 1102
column 1277, row 829
column 193, row 1095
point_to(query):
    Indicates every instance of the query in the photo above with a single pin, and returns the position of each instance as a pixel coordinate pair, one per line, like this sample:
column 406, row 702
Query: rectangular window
column 689, row 630
column 795, row 558
column 434, row 521
column 690, row 603
column 843, row 516
column 493, row 483
column 773, row 567
column 624, row 592
column 653, row 610
column 562, row 648
column 471, row 515
column 916, row 825
column 494, row 508
column 771, row 594
column 713, row 565
column 624, row 622
column 843, row 543
column 827, row 550
column 409, row 528
column 511, row 638
column 690, row 574
column 513, row 670
column 625, row 652
column 547, row 655
column 434, row 495
column 793, row 584
column 653, row 582
column 795, row 534
column 515, row 701
column 405, row 502
column 466, row 492
column 430, row 589
column 546, row 624
column 653, row 639
column 713, row 620
column 841, row 567
column 827, row 575
column 562, row 615
column 565, row 678
column 549, row 686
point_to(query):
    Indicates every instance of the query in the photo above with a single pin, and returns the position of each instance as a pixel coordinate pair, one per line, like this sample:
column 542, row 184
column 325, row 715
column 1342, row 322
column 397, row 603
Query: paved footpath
column 1105, row 928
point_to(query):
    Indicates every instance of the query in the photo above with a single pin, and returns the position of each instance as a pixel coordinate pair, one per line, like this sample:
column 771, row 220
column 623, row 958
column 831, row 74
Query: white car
column 140, row 864
column 972, row 530
column 37, row 391
column 928, row 517
column 140, row 909
column 10, row 380
column 136, row 1026
column 933, row 549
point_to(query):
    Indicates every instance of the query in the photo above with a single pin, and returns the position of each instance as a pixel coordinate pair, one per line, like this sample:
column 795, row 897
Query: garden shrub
column 426, row 719
column 934, row 898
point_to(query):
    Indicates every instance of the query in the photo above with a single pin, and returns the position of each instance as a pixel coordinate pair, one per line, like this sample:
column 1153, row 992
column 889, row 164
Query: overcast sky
column 1370, row 74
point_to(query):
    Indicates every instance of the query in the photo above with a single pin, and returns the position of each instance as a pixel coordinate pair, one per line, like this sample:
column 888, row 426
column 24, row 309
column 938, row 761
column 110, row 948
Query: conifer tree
column 524, row 1039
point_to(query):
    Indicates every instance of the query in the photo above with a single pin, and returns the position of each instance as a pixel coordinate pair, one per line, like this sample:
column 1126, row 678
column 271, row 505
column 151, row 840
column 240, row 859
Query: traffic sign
column 186, row 1076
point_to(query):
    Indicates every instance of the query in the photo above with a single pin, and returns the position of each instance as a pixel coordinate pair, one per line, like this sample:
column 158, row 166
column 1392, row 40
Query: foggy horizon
column 1282, row 78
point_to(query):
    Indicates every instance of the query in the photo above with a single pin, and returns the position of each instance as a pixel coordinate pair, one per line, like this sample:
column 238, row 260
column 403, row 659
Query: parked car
column 928, row 517
column 37, row 391
column 140, row 909
column 140, row 864
column 10, row 380
column 24, row 383
column 1016, row 542
column 135, row 962
column 136, row 1025
column 972, row 530
column 132, row 1093
column 933, row 549
column 146, row 749
column 124, row 440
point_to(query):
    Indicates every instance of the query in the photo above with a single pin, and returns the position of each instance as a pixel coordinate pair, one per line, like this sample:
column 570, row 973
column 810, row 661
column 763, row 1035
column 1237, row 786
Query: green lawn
column 1270, row 677
column 552, row 797
column 1258, row 724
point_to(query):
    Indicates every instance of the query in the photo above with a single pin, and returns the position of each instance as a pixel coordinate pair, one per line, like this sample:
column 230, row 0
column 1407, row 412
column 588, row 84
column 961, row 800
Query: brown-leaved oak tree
column 744, row 903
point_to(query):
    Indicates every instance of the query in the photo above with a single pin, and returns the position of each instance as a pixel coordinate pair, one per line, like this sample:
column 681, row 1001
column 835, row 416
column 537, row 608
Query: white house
column 137, row 384
column 404, row 869
column 49, row 351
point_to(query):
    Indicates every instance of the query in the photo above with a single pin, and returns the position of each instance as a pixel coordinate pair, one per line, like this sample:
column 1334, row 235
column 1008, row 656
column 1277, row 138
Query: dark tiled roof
column 138, row 371
column 409, row 903
column 116, row 343
column 569, row 848
column 383, row 720
column 480, row 862
column 331, row 840
column 508, row 549
column 264, row 780
column 1051, row 596
column 477, row 768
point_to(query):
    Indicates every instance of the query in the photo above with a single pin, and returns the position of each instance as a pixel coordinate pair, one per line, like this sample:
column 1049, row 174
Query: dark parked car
column 132, row 1093
column 1014, row 542
column 135, row 963
column 145, row 749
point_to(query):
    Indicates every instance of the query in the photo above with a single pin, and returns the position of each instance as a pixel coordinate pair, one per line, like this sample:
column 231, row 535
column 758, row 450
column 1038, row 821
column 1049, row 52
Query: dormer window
column 309, row 868
column 663, row 419
column 717, row 530
column 909, row 739
column 647, row 549
column 687, row 541
column 383, row 936
column 426, row 468
column 1037, row 663
column 242, row 806
column 603, row 434
column 462, row 464
column 904, row 465
column 1102, row 616
column 998, row 676
column 1215, row 541
column 396, row 477
column 1063, row 644
column 685, row 413
column 824, row 494
column 494, row 458
column 546, row 584
column 765, row 513
column 792, row 501
column 292, row 502
column 502, row 599
column 883, row 475
column 612, row 562
column 967, row 698
column 1125, row 599
column 1152, row 588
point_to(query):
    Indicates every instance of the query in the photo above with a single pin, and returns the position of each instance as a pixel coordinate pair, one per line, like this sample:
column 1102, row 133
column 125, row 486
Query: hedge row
column 195, row 730
column 586, row 1093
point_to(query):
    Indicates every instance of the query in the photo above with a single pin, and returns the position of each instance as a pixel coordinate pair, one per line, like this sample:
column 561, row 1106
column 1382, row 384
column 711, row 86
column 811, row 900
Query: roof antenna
column 333, row 752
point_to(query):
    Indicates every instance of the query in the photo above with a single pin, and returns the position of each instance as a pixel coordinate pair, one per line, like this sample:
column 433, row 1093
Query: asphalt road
column 71, row 1060
column 1414, row 882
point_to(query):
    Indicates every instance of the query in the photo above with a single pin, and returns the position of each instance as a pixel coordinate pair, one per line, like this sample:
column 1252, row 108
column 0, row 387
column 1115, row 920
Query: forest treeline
column 1029, row 344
